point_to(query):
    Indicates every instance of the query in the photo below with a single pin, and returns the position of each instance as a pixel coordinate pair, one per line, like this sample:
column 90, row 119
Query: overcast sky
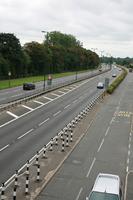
column 103, row 24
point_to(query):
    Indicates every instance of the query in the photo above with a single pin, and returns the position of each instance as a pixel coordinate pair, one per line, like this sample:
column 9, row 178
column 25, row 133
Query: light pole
column 44, row 69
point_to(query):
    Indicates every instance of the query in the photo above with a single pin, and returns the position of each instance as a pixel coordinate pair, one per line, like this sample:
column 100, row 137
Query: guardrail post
column 14, row 193
column 3, row 192
column 51, row 145
column 16, row 179
column 27, row 185
column 37, row 158
column 44, row 152
column 27, row 168
column 38, row 173
column 63, row 145
column 71, row 136
column 56, row 140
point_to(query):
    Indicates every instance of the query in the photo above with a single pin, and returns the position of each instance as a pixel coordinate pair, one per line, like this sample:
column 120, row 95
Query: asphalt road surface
column 106, row 148
column 27, row 128
column 15, row 93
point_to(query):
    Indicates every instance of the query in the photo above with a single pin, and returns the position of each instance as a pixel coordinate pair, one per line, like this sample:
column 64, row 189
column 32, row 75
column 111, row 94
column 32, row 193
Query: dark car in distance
column 28, row 86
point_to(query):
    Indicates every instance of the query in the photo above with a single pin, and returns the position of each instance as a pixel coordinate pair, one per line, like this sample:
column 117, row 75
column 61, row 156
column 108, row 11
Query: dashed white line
column 107, row 131
column 100, row 145
column 67, row 106
column 57, row 113
column 128, row 161
column 91, row 167
column 129, row 152
column 12, row 114
column 43, row 121
column 127, row 169
column 27, row 107
column 38, row 102
column 48, row 98
column 79, row 193
column 25, row 134
column 4, row 147
column 75, row 101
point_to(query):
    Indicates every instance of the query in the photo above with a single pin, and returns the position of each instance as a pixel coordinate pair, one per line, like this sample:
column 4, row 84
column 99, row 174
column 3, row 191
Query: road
column 27, row 128
column 107, row 147
column 15, row 93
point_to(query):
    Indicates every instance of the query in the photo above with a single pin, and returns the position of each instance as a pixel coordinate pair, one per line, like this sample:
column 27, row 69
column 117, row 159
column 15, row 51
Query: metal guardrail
column 25, row 99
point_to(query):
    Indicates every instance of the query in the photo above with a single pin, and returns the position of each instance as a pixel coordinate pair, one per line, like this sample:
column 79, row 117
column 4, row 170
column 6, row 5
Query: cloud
column 105, row 24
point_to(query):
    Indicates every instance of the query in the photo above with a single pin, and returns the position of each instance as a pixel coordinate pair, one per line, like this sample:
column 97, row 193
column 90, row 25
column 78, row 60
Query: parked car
column 106, row 187
column 28, row 86
column 114, row 75
column 100, row 85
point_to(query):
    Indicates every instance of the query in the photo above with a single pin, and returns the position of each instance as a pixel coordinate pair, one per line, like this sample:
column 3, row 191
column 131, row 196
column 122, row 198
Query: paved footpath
column 106, row 147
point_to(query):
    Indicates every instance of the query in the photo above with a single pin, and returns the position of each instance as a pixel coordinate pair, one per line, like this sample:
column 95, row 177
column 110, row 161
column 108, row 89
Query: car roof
column 108, row 183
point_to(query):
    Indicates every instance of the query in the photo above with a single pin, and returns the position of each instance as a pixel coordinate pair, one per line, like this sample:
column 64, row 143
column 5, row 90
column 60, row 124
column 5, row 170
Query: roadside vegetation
column 4, row 84
column 117, row 81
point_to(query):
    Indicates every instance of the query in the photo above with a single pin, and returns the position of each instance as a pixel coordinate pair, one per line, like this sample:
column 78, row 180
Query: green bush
column 117, row 81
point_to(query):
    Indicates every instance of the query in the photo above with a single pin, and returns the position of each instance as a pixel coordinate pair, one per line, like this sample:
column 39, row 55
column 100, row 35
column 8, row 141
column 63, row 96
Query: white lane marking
column 75, row 101
column 44, row 121
column 128, row 152
column 61, row 92
column 12, row 114
column 127, row 169
column 107, row 131
column 57, row 113
column 25, row 134
column 129, row 145
column 100, row 145
column 79, row 193
column 128, row 161
column 91, row 167
column 67, row 106
column 27, row 107
column 38, row 102
column 112, row 120
column 42, row 104
column 48, row 98
column 4, row 147
column 57, row 95
column 66, row 89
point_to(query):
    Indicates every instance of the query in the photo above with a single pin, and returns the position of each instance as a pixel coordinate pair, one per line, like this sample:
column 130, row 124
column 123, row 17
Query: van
column 106, row 187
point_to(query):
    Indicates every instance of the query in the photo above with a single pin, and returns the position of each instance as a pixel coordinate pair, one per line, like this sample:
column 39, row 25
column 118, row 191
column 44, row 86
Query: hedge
column 117, row 81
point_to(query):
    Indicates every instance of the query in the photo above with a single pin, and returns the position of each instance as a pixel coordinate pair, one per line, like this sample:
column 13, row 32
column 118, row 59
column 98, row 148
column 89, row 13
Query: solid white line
column 4, row 147
column 100, row 145
column 107, row 131
column 12, row 114
column 79, row 193
column 48, row 98
column 25, row 134
column 38, row 102
column 27, row 107
column 67, row 106
column 91, row 167
column 57, row 113
column 44, row 121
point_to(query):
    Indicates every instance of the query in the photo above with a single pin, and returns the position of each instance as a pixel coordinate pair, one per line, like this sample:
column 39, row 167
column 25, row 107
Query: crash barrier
column 54, row 87
column 32, row 170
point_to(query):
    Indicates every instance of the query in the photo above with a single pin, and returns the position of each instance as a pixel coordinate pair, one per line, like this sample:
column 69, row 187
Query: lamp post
column 44, row 69
column 9, row 75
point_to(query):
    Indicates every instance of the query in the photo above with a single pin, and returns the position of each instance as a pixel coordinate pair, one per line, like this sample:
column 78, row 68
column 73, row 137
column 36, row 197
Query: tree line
column 58, row 52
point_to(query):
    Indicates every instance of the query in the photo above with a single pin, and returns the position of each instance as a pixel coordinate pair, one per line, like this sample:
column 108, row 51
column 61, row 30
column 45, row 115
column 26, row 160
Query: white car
column 100, row 85
column 114, row 75
column 106, row 187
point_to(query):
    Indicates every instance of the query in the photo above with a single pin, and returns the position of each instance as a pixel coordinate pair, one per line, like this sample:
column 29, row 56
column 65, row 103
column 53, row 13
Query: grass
column 18, row 82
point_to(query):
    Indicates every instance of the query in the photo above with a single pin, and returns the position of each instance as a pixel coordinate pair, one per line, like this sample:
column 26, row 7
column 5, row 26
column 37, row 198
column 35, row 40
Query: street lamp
column 44, row 68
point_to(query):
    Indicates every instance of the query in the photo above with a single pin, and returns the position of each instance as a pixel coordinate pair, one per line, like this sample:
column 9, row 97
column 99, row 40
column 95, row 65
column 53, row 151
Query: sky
column 104, row 26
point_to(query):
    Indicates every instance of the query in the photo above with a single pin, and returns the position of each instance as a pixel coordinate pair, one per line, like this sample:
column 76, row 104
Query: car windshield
column 103, row 196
